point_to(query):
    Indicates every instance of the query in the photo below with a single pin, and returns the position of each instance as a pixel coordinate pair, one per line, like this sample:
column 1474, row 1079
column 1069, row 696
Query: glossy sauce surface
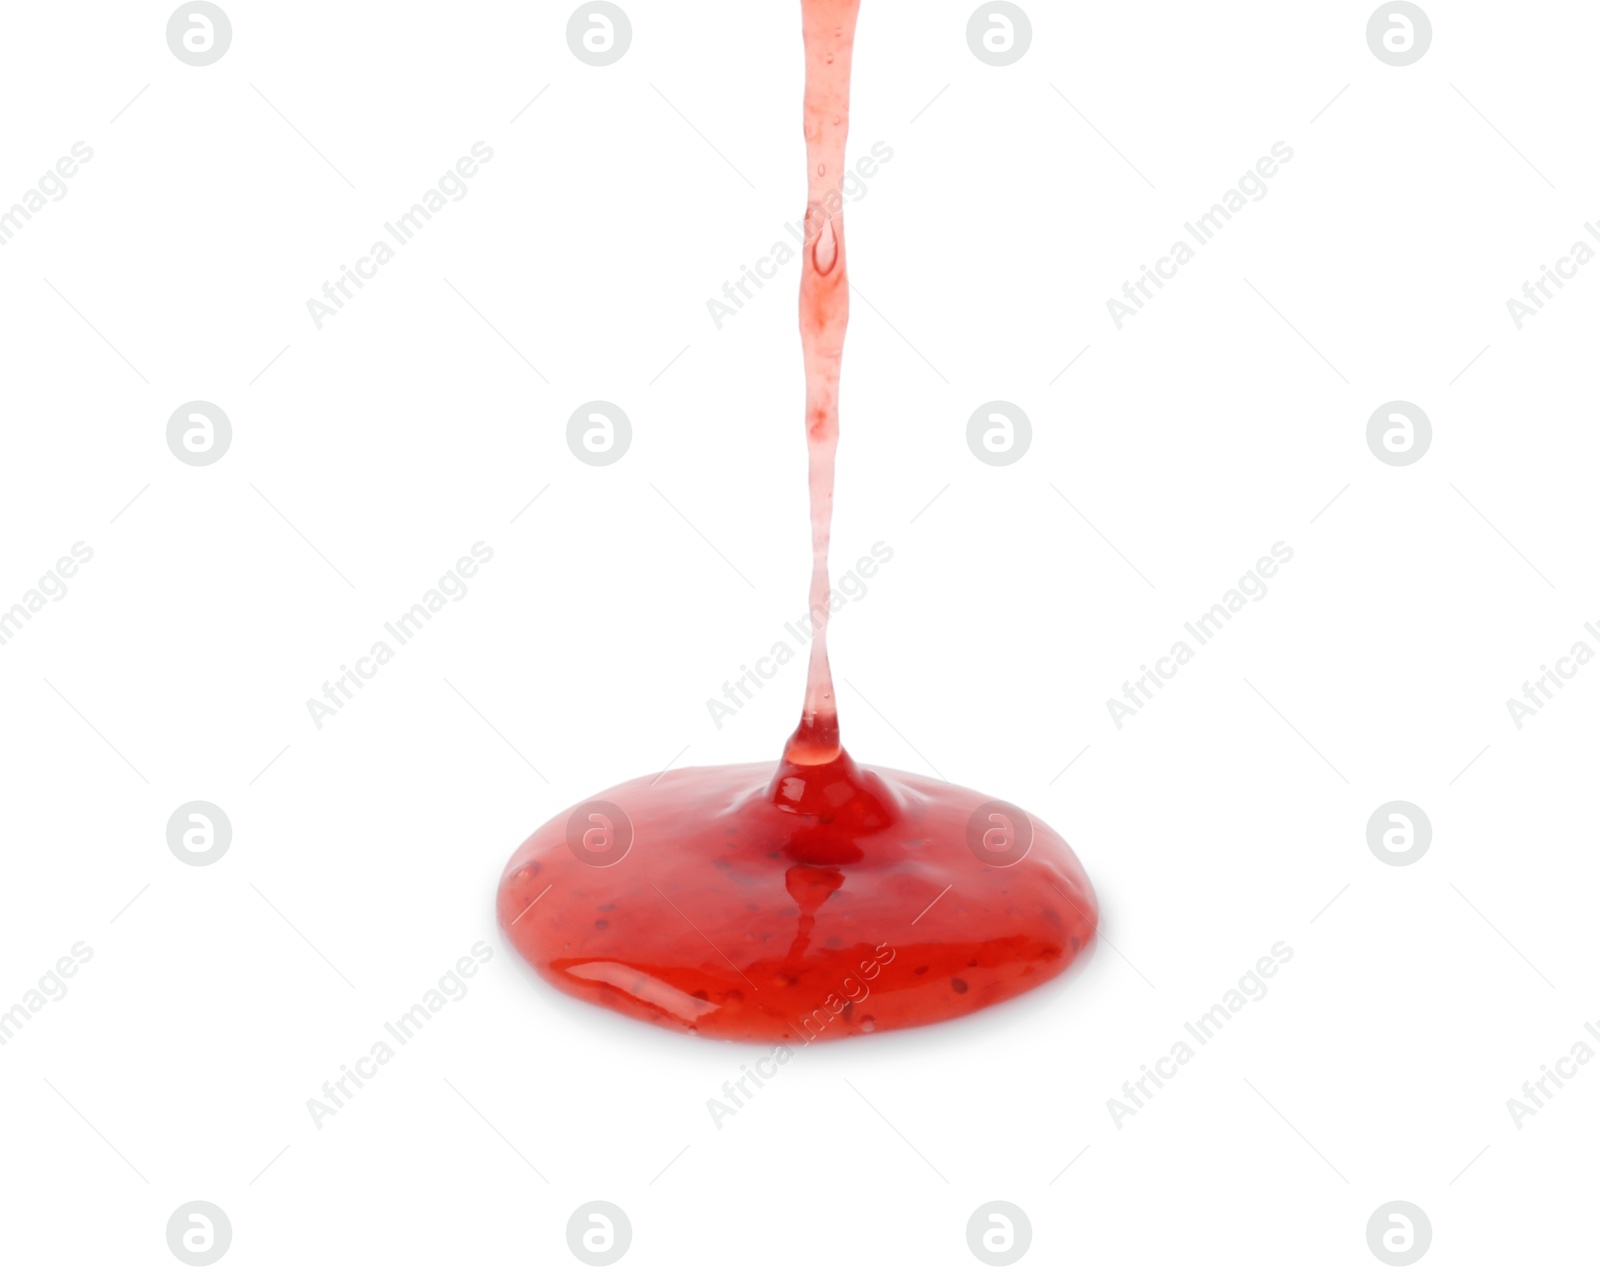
column 810, row 902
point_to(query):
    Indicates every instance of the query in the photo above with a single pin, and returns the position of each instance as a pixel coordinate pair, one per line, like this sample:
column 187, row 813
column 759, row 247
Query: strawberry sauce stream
column 817, row 899
column 830, row 31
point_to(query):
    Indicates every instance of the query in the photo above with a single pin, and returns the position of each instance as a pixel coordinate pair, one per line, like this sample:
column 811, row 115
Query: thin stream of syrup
column 830, row 30
column 818, row 899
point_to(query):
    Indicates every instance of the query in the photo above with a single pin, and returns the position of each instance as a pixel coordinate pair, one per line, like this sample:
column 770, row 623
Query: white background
column 373, row 452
